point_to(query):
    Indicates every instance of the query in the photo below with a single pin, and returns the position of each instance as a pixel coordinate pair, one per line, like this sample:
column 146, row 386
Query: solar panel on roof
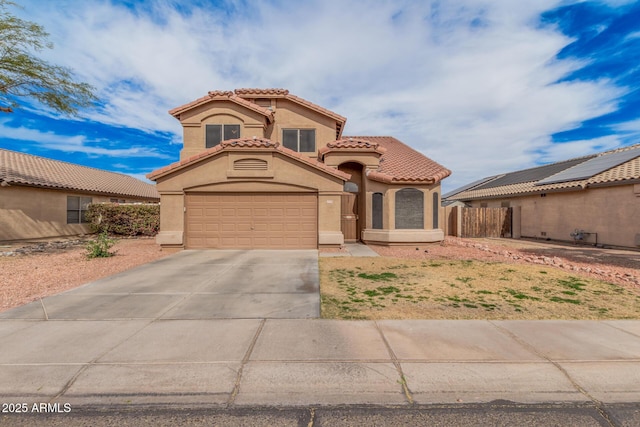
column 533, row 174
column 468, row 186
column 592, row 167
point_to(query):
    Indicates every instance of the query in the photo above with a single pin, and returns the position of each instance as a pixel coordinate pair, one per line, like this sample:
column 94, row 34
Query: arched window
column 350, row 187
column 376, row 211
column 436, row 209
column 409, row 208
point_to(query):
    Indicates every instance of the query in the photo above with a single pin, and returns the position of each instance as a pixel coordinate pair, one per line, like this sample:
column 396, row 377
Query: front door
column 350, row 228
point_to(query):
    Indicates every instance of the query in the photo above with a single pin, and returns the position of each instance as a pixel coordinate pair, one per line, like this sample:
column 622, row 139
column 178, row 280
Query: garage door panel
column 228, row 212
column 211, row 228
column 260, row 212
column 250, row 220
column 257, row 227
column 308, row 227
column 279, row 228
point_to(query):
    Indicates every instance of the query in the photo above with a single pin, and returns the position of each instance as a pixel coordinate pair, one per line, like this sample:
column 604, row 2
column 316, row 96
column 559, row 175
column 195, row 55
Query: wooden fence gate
column 486, row 222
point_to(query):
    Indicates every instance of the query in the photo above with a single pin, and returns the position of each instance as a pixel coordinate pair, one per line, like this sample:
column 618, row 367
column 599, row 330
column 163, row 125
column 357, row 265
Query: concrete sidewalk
column 291, row 362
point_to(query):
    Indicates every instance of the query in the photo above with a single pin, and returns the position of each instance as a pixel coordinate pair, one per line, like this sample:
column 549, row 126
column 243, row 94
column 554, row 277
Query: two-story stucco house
column 262, row 168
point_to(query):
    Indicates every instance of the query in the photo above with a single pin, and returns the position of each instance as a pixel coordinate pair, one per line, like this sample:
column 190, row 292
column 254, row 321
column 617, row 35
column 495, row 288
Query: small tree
column 99, row 248
column 23, row 74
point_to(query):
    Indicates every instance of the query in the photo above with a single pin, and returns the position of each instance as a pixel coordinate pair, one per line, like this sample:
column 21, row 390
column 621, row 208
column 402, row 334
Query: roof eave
column 79, row 190
column 218, row 96
column 230, row 146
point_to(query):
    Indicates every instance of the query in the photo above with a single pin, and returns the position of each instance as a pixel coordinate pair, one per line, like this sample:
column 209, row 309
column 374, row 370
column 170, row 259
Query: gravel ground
column 33, row 273
column 42, row 270
column 621, row 267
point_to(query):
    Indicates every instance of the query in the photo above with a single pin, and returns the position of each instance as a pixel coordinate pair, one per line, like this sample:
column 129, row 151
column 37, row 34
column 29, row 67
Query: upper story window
column 302, row 140
column 215, row 134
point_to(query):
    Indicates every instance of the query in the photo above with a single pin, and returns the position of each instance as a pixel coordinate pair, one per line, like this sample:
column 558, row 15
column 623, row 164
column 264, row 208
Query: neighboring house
column 597, row 194
column 41, row 197
column 262, row 168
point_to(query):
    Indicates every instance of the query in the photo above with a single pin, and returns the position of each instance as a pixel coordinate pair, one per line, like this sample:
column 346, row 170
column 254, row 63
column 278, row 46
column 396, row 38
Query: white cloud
column 74, row 144
column 573, row 149
column 470, row 83
column 630, row 126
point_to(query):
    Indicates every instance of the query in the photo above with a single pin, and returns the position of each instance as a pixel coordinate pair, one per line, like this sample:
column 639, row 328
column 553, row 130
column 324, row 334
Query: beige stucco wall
column 251, row 123
column 32, row 213
column 290, row 115
column 370, row 160
column 611, row 212
column 389, row 234
column 216, row 174
column 287, row 115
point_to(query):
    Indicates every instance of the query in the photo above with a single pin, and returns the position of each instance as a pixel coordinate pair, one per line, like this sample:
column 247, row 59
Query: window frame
column 298, row 130
column 83, row 203
column 377, row 211
column 436, row 211
column 223, row 135
column 409, row 209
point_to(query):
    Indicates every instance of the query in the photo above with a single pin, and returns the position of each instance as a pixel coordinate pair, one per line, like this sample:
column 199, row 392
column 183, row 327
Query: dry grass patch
column 394, row 288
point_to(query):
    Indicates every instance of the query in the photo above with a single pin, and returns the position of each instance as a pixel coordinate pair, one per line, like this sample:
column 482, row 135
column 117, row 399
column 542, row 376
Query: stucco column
column 171, row 220
column 516, row 222
column 389, row 210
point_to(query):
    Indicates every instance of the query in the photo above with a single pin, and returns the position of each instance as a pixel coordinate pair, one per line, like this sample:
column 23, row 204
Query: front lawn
column 393, row 288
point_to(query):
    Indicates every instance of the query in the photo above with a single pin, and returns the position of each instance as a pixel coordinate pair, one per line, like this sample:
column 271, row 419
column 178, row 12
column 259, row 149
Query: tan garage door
column 252, row 221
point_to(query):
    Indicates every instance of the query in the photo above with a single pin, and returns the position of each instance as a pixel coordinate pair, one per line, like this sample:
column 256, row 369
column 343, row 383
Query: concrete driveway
column 204, row 284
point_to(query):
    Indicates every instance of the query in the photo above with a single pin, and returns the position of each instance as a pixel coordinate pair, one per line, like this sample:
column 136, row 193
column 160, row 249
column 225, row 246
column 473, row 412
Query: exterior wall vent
column 250, row 165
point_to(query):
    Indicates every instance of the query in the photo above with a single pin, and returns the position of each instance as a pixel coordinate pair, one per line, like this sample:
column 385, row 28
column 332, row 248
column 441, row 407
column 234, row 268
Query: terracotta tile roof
column 284, row 93
column 516, row 189
column 402, row 164
column 250, row 143
column 246, row 143
column 258, row 92
column 351, row 144
column 222, row 95
column 626, row 172
column 25, row 169
column 318, row 108
column 238, row 96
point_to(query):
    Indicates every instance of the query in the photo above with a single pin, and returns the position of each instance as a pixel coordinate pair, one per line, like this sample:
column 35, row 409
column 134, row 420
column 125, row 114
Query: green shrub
column 124, row 220
column 99, row 248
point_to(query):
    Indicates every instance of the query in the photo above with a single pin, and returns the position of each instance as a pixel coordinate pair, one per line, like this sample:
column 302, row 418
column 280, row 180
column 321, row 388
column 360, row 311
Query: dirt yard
column 483, row 279
column 29, row 272
column 461, row 278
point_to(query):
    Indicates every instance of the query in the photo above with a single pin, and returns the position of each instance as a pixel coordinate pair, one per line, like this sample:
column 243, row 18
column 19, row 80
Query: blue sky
column 481, row 86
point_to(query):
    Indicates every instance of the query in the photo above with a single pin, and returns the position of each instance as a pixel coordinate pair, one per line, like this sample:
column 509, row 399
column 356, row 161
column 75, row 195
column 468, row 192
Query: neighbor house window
column 215, row 134
column 376, row 210
column 409, row 208
column 302, row 140
column 77, row 209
